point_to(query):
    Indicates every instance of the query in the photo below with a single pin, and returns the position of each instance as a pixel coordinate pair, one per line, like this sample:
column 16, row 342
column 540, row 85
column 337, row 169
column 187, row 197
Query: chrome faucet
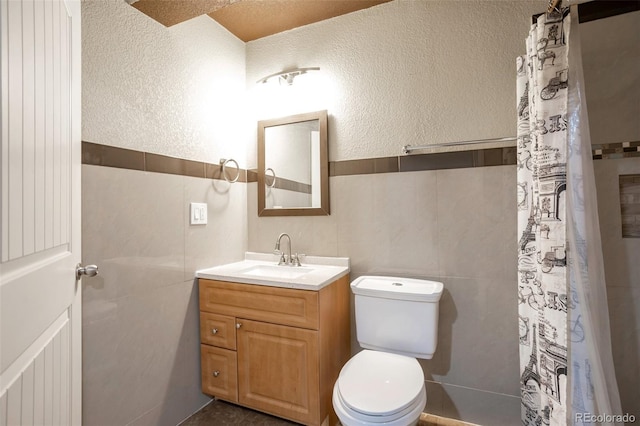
column 286, row 259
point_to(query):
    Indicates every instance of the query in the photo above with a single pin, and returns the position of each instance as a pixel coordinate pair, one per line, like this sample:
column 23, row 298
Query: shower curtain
column 566, row 367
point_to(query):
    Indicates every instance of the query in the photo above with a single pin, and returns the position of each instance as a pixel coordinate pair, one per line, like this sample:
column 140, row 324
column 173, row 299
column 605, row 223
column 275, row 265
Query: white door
column 40, row 317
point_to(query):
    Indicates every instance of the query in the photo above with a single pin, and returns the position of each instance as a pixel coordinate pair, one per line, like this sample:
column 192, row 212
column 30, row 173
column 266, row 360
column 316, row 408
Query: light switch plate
column 198, row 214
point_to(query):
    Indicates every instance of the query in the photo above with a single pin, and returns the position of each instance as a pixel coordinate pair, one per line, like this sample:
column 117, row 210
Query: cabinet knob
column 216, row 373
column 238, row 325
column 214, row 331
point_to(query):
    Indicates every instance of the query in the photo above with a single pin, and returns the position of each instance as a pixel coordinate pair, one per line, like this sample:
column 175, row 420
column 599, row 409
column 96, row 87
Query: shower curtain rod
column 408, row 148
column 599, row 9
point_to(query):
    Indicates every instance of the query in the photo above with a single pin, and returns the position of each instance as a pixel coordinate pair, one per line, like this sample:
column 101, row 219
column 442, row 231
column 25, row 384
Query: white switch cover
column 198, row 214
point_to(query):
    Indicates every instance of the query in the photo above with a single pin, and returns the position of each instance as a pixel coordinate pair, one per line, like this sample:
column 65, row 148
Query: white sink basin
column 276, row 271
column 263, row 269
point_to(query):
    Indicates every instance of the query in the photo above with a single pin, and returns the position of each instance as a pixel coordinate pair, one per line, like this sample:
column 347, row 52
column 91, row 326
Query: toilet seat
column 377, row 387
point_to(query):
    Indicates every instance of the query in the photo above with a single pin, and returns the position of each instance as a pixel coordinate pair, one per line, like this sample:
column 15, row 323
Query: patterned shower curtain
column 566, row 366
column 542, row 259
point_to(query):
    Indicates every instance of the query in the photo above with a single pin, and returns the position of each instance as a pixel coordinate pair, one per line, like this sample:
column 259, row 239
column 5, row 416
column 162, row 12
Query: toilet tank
column 398, row 315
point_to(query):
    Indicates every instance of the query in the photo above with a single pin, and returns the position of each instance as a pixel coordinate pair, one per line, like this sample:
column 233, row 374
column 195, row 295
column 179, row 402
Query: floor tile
column 221, row 413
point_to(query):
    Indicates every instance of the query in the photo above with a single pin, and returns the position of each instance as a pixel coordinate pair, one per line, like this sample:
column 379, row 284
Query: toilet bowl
column 380, row 388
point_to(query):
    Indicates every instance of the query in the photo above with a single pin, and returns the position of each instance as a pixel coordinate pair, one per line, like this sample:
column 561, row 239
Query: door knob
column 89, row 270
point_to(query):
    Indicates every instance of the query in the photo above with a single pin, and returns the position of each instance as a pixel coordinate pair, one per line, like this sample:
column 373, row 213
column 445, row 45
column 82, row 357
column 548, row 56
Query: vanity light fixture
column 287, row 76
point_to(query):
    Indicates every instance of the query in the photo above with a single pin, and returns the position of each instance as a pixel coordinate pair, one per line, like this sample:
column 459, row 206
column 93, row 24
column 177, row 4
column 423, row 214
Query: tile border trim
column 110, row 156
column 431, row 161
column 614, row 151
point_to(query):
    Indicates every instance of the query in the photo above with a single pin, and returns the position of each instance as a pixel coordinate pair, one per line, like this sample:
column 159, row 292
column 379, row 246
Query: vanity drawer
column 218, row 330
column 219, row 369
column 276, row 305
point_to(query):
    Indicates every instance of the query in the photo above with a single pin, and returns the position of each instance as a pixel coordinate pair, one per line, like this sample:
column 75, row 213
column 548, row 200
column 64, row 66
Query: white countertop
column 262, row 269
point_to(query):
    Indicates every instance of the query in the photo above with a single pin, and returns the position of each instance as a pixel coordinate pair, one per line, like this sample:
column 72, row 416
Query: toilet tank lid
column 398, row 288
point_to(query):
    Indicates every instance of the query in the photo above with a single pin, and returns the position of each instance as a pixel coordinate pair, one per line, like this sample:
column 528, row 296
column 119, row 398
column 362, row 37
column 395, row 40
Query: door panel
column 40, row 350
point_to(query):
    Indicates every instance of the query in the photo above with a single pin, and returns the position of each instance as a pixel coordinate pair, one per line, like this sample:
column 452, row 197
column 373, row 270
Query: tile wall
column 457, row 226
column 454, row 225
column 622, row 272
column 141, row 342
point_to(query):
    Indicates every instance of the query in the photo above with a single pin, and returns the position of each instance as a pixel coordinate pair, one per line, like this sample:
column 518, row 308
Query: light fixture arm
column 288, row 76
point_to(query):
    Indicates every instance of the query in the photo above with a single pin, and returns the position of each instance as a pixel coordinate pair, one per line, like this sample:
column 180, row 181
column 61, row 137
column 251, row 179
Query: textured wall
column 175, row 91
column 405, row 72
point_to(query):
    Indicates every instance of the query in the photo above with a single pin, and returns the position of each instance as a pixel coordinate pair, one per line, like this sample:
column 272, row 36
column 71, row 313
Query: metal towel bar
column 407, row 149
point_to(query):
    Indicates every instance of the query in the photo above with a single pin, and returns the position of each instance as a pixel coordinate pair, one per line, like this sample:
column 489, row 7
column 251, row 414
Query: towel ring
column 223, row 164
column 273, row 184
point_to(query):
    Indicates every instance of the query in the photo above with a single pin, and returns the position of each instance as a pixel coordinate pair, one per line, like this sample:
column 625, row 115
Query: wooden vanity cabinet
column 273, row 349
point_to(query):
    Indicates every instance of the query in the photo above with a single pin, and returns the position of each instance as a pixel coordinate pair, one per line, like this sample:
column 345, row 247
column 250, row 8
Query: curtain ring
column 223, row 164
column 273, row 184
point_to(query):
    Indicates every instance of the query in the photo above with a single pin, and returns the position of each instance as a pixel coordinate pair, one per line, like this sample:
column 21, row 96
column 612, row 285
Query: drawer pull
column 238, row 325
column 216, row 373
column 214, row 331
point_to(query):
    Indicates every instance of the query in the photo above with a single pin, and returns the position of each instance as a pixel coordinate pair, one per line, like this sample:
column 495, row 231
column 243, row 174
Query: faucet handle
column 295, row 259
column 283, row 259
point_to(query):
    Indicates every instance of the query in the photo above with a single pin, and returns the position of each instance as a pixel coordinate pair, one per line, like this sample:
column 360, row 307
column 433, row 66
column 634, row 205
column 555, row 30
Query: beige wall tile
column 156, row 357
column 476, row 336
column 132, row 229
column 622, row 273
column 624, row 311
column 435, row 398
column 99, row 349
column 224, row 238
column 477, row 222
column 392, row 224
column 483, row 408
column 387, row 223
column 141, row 312
column 620, row 254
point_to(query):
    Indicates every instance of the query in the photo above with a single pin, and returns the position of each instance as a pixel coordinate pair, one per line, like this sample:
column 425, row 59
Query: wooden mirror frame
column 323, row 210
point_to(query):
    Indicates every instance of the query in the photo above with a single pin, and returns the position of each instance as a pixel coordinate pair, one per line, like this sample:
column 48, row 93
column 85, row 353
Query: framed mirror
column 293, row 166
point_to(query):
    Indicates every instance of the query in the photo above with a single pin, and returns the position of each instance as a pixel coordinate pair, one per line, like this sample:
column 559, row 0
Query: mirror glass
column 293, row 167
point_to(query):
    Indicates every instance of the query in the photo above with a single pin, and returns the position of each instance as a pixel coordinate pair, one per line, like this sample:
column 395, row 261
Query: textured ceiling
column 251, row 19
column 171, row 12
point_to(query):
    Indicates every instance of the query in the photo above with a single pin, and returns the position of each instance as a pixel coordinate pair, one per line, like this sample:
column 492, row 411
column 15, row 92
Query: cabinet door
column 278, row 370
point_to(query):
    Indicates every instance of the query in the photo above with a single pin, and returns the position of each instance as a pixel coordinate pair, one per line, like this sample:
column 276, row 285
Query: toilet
column 396, row 322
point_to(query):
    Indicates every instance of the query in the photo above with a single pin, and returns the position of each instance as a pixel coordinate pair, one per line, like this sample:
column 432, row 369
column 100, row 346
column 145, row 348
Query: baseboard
column 427, row 419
